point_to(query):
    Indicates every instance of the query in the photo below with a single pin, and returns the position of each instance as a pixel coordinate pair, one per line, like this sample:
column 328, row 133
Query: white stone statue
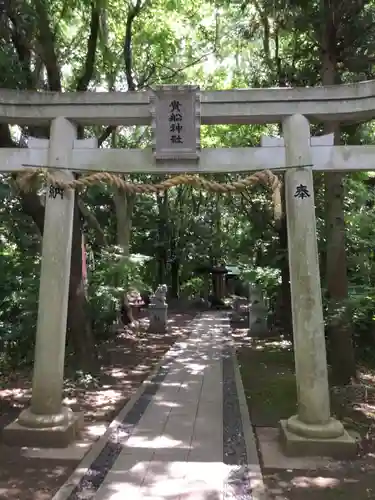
column 158, row 310
column 160, row 296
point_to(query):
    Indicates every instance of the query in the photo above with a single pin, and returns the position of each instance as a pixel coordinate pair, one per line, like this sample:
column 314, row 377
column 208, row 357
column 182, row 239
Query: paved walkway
column 185, row 437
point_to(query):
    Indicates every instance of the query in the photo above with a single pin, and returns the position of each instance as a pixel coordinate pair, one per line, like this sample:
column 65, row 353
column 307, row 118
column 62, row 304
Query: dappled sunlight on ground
column 347, row 482
column 367, row 375
column 126, row 361
column 273, row 344
column 166, row 480
column 34, row 479
column 172, row 442
column 267, row 369
column 314, row 482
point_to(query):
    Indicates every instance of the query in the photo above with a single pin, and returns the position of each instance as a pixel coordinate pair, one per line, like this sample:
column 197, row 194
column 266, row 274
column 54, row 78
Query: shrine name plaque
column 175, row 111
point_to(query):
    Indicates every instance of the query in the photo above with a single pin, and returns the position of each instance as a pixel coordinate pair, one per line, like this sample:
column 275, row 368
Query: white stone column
column 313, row 421
column 47, row 422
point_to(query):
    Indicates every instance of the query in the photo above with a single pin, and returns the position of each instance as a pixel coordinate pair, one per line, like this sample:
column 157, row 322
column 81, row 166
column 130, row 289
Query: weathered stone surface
column 342, row 447
column 56, row 436
column 258, row 312
column 158, row 311
column 175, row 111
column 307, row 311
column 224, row 106
column 240, row 309
column 47, row 422
column 313, row 429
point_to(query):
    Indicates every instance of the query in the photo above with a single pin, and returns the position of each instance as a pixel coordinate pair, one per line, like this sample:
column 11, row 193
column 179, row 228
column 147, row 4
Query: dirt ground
column 267, row 369
column 348, row 481
column 126, row 362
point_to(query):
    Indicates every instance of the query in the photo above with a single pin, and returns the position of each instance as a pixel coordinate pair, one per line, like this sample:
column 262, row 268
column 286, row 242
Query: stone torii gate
column 177, row 149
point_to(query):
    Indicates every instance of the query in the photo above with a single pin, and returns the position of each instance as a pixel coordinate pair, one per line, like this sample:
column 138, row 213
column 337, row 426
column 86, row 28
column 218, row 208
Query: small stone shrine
column 218, row 285
column 158, row 310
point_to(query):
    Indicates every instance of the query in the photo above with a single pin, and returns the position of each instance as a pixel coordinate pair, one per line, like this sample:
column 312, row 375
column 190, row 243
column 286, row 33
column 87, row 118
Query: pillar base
column 29, row 431
column 343, row 446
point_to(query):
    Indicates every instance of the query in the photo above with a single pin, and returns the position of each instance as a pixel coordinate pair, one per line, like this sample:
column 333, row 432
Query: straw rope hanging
column 29, row 178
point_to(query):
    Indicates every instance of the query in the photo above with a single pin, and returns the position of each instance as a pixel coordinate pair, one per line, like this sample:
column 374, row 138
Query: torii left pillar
column 47, row 423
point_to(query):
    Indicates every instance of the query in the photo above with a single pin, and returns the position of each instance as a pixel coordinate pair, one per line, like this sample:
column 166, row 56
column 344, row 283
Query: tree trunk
column 341, row 351
column 163, row 240
column 92, row 221
column 175, row 278
column 284, row 305
column 174, row 267
column 124, row 203
column 79, row 332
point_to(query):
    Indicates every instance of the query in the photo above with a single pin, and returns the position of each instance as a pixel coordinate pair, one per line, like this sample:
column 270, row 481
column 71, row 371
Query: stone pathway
column 186, row 435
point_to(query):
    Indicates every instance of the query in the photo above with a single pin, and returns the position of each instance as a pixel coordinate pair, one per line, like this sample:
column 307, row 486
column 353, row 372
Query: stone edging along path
column 239, row 441
column 244, row 478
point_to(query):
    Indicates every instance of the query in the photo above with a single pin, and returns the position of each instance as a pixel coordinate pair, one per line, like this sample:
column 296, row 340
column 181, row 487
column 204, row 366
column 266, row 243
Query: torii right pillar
column 313, row 431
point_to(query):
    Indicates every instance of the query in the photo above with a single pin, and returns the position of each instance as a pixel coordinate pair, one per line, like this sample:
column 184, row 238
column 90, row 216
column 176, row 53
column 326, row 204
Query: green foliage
column 19, row 275
column 267, row 277
column 18, row 299
column 192, row 287
column 218, row 46
column 110, row 276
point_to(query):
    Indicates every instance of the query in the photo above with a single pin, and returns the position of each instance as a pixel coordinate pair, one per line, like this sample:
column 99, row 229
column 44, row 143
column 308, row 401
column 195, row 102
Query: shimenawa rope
column 29, row 178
